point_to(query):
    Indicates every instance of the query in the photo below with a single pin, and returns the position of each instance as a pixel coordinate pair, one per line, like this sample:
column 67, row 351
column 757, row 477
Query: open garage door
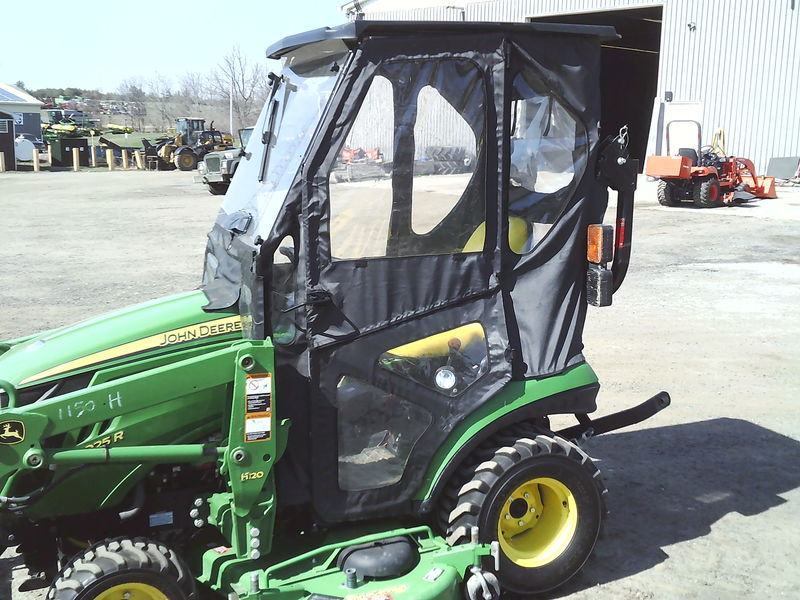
column 629, row 69
column 7, row 140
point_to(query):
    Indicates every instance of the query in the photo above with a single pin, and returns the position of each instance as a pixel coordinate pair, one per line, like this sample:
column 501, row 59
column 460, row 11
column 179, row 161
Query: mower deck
column 437, row 574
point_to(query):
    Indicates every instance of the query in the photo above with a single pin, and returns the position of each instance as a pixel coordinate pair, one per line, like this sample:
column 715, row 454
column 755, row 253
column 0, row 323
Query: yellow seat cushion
column 518, row 235
column 438, row 344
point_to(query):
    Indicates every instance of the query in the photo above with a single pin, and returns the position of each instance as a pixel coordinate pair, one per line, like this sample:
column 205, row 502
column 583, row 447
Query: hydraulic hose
column 138, row 504
column 22, row 502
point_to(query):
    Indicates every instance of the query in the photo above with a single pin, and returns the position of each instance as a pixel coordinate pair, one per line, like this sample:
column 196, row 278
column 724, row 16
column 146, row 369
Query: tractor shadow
column 671, row 484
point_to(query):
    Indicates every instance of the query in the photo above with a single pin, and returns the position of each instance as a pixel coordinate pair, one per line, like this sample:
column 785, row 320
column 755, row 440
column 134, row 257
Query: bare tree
column 132, row 91
column 245, row 79
column 192, row 91
column 160, row 89
column 193, row 88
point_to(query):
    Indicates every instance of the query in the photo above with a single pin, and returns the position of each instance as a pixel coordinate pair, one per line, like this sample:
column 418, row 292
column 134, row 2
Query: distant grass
column 134, row 140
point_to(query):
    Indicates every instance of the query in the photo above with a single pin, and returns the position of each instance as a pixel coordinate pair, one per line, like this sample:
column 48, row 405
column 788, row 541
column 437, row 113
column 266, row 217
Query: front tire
column 135, row 569
column 706, row 192
column 185, row 161
column 542, row 500
column 666, row 194
column 217, row 189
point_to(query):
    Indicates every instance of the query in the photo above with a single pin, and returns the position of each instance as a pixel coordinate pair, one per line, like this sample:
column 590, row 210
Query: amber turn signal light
column 600, row 244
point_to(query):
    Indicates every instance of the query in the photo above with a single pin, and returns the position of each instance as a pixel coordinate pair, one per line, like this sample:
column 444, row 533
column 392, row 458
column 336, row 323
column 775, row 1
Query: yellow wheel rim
column 185, row 159
column 537, row 522
column 132, row 591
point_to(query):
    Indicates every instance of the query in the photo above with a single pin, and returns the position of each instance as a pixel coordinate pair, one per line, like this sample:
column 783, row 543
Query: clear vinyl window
column 407, row 180
column 360, row 184
column 448, row 362
column 377, row 432
column 284, row 292
column 444, row 161
column 548, row 155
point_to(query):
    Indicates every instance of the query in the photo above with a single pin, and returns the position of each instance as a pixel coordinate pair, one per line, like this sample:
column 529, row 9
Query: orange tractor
column 705, row 177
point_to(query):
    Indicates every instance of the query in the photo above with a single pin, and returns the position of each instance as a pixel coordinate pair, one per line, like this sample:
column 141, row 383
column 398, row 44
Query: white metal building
column 24, row 109
column 736, row 61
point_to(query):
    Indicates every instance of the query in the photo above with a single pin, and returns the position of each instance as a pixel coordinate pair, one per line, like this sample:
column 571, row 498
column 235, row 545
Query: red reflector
column 620, row 233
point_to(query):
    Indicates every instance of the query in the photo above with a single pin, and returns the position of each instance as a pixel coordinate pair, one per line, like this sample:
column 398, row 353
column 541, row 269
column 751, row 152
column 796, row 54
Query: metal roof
column 362, row 28
column 14, row 95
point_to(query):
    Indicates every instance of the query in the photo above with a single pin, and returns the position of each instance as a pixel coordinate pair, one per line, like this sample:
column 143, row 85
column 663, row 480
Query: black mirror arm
column 619, row 173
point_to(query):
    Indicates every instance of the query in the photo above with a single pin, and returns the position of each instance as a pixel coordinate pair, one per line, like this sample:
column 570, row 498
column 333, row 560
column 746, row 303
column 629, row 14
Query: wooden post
column 137, row 155
column 125, row 160
column 36, row 166
column 110, row 159
column 93, row 150
column 2, row 162
column 76, row 159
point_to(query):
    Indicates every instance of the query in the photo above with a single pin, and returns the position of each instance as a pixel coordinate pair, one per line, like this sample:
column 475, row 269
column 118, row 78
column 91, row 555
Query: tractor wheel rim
column 537, row 522
column 132, row 591
column 713, row 193
column 185, row 160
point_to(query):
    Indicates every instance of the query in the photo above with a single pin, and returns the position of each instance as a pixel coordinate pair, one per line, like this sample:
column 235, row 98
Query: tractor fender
column 704, row 171
column 579, row 400
column 182, row 149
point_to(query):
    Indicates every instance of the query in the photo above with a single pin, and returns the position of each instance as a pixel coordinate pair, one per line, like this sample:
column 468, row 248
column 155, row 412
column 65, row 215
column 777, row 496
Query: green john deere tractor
column 356, row 403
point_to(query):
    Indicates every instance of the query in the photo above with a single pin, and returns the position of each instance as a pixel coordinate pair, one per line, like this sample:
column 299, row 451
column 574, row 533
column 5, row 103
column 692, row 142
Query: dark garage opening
column 7, row 140
column 629, row 69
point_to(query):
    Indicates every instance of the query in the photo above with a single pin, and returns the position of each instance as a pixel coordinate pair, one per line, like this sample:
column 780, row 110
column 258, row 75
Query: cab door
column 406, row 331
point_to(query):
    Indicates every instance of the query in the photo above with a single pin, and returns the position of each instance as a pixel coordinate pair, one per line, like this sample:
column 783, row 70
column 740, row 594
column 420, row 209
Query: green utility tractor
column 355, row 405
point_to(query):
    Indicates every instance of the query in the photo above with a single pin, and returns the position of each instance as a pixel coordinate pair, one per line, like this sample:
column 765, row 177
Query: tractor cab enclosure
column 190, row 129
column 408, row 225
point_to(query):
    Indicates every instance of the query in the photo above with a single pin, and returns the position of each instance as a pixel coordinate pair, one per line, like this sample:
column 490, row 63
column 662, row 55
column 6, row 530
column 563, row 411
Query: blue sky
column 94, row 44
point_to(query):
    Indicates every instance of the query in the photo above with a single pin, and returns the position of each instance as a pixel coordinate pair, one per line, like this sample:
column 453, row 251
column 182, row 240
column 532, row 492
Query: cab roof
column 350, row 32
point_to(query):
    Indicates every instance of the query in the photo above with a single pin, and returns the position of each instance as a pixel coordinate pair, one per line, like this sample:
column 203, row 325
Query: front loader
column 356, row 404
column 191, row 142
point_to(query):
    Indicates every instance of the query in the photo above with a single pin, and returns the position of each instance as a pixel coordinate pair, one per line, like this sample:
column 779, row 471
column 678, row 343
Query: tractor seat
column 689, row 153
column 520, row 236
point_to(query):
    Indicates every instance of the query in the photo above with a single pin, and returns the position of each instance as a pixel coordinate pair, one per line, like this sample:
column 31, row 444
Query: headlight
column 445, row 378
column 201, row 167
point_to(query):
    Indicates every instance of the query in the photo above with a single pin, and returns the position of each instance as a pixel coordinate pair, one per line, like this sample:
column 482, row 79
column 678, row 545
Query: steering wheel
column 707, row 151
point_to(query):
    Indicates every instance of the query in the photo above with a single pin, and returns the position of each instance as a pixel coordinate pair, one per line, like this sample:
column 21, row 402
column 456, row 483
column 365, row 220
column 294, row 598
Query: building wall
column 741, row 59
column 7, row 140
column 31, row 123
column 27, row 119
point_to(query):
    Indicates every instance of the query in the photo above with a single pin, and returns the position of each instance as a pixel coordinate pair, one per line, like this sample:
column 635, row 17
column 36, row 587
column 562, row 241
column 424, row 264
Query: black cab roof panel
column 359, row 29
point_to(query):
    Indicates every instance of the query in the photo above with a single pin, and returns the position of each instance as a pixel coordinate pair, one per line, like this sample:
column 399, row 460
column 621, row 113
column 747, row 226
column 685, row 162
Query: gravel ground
column 704, row 497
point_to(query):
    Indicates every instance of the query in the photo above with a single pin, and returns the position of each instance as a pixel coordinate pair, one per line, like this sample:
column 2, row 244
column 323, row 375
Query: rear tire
column 142, row 569
column 542, row 499
column 706, row 192
column 666, row 194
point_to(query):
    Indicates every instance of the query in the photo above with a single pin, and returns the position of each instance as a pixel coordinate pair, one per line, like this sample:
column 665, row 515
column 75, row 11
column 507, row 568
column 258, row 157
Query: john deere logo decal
column 12, row 432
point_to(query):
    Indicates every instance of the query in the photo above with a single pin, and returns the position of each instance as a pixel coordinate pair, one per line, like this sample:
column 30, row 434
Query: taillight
column 599, row 252
column 600, row 244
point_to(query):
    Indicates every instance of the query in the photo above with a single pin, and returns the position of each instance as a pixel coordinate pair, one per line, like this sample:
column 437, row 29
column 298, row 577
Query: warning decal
column 258, row 408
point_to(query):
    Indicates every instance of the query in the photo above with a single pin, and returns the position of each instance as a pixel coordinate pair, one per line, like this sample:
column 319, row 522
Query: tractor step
column 624, row 418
